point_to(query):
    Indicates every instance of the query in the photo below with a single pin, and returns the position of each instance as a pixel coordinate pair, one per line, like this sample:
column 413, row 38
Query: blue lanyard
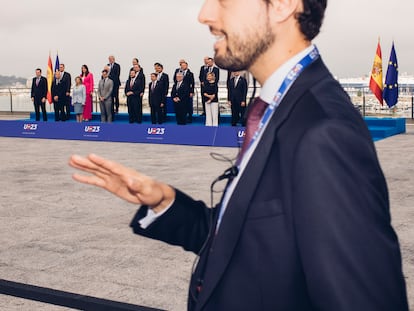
column 283, row 89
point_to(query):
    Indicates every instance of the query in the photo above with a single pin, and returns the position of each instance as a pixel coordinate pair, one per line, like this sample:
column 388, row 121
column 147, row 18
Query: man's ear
column 281, row 10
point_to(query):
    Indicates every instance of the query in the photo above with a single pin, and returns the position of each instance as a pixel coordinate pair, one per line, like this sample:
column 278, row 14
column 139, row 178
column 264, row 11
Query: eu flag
column 391, row 80
column 57, row 63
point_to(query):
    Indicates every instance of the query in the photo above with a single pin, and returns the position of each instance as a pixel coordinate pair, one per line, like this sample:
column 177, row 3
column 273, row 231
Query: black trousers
column 157, row 114
column 67, row 102
column 189, row 110
column 115, row 101
column 59, row 108
column 37, row 106
column 180, row 112
column 237, row 114
column 134, row 104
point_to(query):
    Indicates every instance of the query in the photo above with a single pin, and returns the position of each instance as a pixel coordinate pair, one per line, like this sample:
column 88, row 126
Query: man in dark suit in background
column 59, row 88
column 156, row 98
column 237, row 98
column 66, row 79
column 180, row 93
column 38, row 94
column 304, row 222
column 132, row 92
column 140, row 81
column 202, row 77
column 163, row 78
column 188, row 78
column 114, row 74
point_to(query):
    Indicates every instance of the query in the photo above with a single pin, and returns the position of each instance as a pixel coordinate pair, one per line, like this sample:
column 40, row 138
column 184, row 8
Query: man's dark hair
column 39, row 70
column 310, row 20
column 160, row 65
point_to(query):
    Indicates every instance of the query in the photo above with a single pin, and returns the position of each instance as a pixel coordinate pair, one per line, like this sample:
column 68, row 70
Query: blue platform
column 381, row 128
column 168, row 133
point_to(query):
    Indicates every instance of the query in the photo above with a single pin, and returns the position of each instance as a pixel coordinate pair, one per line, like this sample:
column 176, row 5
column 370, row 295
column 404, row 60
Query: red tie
column 254, row 115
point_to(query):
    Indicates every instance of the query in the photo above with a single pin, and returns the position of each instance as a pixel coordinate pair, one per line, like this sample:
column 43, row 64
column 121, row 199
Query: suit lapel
column 234, row 217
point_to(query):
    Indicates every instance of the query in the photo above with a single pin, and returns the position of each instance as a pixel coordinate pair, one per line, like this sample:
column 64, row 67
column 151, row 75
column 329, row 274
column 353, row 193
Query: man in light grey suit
column 105, row 98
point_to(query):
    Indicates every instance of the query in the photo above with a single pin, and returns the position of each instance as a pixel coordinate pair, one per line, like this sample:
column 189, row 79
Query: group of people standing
column 61, row 96
column 182, row 93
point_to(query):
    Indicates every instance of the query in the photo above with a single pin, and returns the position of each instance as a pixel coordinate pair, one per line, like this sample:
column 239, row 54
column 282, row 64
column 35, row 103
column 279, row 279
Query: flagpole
column 363, row 101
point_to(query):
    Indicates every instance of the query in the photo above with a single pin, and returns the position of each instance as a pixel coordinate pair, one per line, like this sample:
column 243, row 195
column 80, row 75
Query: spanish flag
column 49, row 80
column 375, row 83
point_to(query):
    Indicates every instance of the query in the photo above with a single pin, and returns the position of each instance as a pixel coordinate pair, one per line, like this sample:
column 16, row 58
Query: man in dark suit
column 202, row 77
column 114, row 74
column 180, row 93
column 188, row 78
column 237, row 98
column 59, row 88
column 156, row 98
column 38, row 94
column 163, row 78
column 304, row 222
column 140, row 81
column 132, row 92
column 66, row 79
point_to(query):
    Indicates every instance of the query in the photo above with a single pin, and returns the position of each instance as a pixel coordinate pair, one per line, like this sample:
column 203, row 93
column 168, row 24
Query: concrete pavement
column 59, row 234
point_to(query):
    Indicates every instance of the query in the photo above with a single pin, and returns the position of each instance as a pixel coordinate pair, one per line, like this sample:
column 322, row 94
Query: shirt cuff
column 152, row 216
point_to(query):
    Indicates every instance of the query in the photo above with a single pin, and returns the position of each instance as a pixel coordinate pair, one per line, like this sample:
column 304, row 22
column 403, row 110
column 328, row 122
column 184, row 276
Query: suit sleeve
column 174, row 77
column 142, row 85
column 186, row 223
column 201, row 75
column 126, row 89
column 44, row 92
column 68, row 82
column 217, row 73
column 244, row 89
column 166, row 84
column 32, row 91
column 348, row 249
column 192, row 82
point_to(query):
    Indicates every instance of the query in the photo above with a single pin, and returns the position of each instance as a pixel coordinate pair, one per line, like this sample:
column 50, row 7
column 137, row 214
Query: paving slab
column 59, row 234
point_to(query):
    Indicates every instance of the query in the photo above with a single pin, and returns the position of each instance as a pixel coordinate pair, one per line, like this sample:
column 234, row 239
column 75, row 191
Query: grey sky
column 87, row 31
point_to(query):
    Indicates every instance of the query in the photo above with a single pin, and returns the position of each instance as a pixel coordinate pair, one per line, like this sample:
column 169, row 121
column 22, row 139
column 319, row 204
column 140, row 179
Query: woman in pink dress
column 87, row 79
